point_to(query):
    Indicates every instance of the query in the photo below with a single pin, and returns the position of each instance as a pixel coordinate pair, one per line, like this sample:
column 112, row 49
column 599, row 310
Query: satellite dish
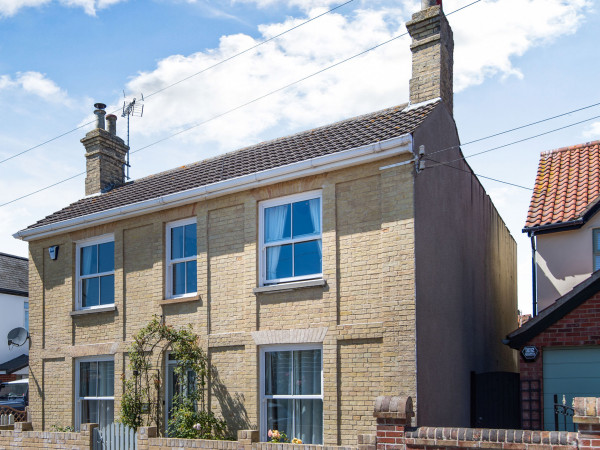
column 17, row 336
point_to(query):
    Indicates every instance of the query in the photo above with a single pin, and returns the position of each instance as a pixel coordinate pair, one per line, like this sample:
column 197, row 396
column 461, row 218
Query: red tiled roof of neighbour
column 345, row 135
column 567, row 185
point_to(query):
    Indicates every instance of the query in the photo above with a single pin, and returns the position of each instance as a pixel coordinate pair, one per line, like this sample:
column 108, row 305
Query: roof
column 14, row 275
column 15, row 364
column 567, row 187
column 345, row 135
column 556, row 311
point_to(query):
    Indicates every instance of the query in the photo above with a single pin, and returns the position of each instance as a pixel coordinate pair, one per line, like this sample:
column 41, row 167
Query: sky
column 515, row 62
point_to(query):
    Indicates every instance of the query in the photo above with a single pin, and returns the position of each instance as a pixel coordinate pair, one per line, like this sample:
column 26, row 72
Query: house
column 559, row 346
column 342, row 254
column 14, row 304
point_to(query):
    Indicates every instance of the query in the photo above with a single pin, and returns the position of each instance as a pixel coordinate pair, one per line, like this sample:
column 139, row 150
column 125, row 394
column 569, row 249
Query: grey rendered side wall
column 466, row 280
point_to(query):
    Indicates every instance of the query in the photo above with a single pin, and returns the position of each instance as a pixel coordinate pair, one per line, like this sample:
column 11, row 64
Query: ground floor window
column 292, row 392
column 95, row 391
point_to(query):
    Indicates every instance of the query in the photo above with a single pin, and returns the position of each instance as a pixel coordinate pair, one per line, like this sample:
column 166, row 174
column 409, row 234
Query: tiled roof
column 15, row 364
column 351, row 133
column 14, row 274
column 566, row 186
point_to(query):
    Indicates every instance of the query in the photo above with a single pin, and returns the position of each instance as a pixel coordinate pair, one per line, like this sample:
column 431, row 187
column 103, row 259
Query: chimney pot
column 429, row 3
column 100, row 113
column 112, row 124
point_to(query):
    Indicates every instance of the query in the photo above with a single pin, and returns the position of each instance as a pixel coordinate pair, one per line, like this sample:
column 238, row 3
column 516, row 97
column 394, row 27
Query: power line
column 523, row 140
column 184, row 79
column 243, row 105
column 516, row 128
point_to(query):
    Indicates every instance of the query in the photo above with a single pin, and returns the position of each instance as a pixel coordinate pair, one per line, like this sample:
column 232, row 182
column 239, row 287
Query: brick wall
column 580, row 327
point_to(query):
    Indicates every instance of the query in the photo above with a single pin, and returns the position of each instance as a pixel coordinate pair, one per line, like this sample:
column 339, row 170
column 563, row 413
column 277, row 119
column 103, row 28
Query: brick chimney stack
column 432, row 49
column 105, row 155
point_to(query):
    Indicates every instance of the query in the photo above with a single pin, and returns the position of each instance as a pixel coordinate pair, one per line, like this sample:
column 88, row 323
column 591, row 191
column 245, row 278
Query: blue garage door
column 572, row 372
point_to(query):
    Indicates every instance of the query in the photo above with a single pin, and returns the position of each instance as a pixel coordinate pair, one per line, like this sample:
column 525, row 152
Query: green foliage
column 141, row 404
column 61, row 429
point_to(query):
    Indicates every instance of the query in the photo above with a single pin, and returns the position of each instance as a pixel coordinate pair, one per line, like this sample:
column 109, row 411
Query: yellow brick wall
column 368, row 299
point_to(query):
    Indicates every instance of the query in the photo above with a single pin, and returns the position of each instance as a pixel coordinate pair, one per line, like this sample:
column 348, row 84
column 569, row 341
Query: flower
column 270, row 433
column 296, row 441
column 197, row 427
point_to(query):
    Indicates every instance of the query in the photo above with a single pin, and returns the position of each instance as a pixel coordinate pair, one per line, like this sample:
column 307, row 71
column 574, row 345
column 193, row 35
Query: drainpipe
column 533, row 275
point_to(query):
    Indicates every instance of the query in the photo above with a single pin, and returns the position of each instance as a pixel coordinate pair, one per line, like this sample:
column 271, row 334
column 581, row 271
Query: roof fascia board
column 14, row 292
column 347, row 158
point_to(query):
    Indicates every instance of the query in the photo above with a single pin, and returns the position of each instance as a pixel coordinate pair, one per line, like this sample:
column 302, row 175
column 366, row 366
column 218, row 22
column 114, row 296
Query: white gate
column 115, row 436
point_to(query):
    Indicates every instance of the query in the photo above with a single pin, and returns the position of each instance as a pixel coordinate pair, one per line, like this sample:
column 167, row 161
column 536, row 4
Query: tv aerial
column 135, row 108
column 17, row 337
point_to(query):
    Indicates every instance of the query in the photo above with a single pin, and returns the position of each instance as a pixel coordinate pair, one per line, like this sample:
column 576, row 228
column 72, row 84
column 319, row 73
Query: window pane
column 179, row 279
column 106, row 378
column 279, row 261
column 88, row 376
column 107, row 290
column 307, row 372
column 89, row 411
column 89, row 260
column 277, row 223
column 278, row 367
column 190, row 240
column 90, row 293
column 280, row 415
column 307, row 217
column 176, row 242
column 309, row 421
column 106, row 257
column 191, row 277
column 596, row 262
column 26, row 324
column 106, row 412
column 307, row 258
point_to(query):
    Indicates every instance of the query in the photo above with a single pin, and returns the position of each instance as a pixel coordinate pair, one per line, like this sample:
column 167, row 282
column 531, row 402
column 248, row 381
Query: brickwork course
column 387, row 265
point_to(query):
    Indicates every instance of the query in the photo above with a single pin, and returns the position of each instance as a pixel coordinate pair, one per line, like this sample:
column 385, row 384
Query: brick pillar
column 393, row 415
column 144, row 434
column 86, row 431
column 587, row 418
column 246, row 438
column 23, row 426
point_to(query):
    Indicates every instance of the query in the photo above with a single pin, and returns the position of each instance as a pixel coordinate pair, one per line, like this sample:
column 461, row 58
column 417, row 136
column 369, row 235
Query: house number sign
column 530, row 352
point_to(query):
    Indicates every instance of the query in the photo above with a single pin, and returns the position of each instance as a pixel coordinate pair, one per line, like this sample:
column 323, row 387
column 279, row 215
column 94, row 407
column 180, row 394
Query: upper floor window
column 596, row 249
column 96, row 272
column 26, row 317
column 181, row 258
column 290, row 238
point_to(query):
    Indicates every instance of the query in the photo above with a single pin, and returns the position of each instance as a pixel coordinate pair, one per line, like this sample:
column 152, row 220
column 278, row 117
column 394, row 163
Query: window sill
column 102, row 309
column 174, row 301
column 289, row 286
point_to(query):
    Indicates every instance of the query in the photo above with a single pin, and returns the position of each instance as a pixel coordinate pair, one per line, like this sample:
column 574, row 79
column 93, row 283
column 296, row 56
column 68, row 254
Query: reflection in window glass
column 96, row 274
column 181, row 260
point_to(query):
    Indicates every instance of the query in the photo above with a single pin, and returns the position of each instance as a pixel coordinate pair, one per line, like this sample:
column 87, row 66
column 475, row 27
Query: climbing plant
column 142, row 405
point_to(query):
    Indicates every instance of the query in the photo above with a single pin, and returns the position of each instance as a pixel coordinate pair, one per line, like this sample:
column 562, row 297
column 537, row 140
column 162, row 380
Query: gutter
column 360, row 155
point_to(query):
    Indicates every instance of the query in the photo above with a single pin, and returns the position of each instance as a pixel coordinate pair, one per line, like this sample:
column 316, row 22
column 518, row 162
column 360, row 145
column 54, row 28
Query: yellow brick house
column 340, row 258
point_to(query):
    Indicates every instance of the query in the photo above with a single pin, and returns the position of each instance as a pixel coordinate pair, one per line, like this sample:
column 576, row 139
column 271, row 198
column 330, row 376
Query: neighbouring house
column 321, row 270
column 14, row 308
column 560, row 346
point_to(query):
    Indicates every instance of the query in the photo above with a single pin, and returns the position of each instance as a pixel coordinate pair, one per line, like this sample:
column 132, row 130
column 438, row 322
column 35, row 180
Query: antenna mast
column 133, row 108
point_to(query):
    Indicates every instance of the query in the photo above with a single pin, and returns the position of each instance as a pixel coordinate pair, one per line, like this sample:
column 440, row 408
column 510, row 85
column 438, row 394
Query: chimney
column 432, row 54
column 105, row 155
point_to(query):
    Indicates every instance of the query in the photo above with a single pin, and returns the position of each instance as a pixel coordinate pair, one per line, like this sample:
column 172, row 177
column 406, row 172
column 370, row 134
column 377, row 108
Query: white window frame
column 78, row 290
column 261, row 236
column 263, row 397
column 169, row 262
column 78, row 399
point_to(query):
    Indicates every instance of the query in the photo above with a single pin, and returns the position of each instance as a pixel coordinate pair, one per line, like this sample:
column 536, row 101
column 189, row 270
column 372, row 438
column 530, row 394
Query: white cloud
column 488, row 37
column 592, row 132
column 35, row 83
column 11, row 7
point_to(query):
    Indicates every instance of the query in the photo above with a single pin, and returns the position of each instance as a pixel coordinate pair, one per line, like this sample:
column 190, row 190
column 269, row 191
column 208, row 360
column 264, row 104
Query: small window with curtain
column 596, row 239
column 181, row 259
column 96, row 272
column 291, row 238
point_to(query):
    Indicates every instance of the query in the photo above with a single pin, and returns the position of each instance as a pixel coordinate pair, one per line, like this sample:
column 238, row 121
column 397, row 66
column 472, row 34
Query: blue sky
column 516, row 61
